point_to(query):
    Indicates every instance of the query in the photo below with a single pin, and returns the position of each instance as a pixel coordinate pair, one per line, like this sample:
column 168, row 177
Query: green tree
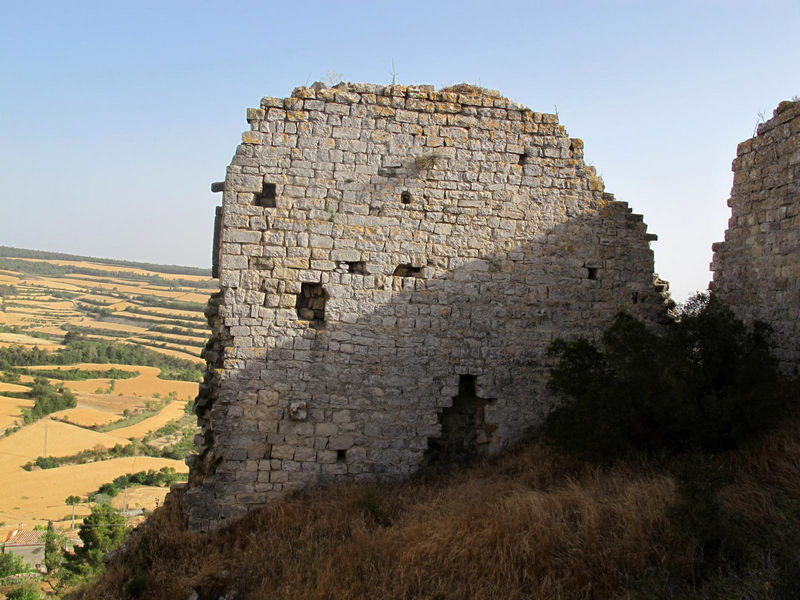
column 72, row 501
column 101, row 532
column 53, row 544
column 27, row 591
column 706, row 382
column 11, row 564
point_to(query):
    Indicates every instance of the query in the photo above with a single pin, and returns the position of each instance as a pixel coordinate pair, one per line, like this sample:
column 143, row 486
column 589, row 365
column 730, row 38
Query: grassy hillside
column 532, row 524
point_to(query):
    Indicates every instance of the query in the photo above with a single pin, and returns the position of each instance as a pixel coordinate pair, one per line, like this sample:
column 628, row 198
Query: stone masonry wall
column 757, row 267
column 393, row 262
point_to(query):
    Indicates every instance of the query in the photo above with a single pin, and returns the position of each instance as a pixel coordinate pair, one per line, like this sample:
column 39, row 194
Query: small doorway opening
column 465, row 433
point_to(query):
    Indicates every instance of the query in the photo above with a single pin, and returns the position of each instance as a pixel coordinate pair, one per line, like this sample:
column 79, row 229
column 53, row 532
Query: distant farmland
column 99, row 365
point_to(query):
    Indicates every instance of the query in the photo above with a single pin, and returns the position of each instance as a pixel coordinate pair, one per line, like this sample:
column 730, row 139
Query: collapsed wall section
column 757, row 267
column 393, row 263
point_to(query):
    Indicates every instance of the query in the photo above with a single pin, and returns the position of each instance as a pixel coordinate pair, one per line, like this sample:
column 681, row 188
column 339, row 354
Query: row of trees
column 47, row 399
column 81, row 349
column 164, row 477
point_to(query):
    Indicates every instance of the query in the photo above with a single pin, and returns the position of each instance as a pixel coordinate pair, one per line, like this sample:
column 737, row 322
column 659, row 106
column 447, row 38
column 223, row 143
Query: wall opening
column 341, row 456
column 311, row 303
column 358, row 267
column 465, row 433
column 407, row 271
column 592, row 272
column 405, row 197
column 523, row 158
column 266, row 197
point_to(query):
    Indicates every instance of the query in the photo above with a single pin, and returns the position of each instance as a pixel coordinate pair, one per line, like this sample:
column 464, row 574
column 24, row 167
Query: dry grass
column 532, row 525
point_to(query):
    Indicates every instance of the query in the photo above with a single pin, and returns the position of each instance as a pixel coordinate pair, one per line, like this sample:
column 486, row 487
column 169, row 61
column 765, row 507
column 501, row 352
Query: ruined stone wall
column 757, row 267
column 393, row 262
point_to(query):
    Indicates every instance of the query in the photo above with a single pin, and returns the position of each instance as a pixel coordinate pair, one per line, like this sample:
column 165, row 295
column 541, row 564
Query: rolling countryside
column 99, row 366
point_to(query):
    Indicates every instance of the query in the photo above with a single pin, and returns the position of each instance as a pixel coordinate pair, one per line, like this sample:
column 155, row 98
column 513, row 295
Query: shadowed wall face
column 757, row 267
column 393, row 262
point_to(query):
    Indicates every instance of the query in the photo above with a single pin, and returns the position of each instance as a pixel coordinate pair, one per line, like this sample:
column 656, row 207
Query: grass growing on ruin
column 533, row 524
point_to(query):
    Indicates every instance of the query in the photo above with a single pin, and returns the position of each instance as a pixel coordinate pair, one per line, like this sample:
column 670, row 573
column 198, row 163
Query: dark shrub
column 706, row 382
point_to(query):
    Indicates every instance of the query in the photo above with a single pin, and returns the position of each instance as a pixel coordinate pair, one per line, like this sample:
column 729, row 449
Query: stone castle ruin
column 393, row 262
column 757, row 267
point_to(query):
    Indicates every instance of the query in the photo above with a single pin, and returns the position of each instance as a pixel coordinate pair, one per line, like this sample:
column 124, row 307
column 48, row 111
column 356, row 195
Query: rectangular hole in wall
column 267, row 196
column 310, row 303
column 407, row 271
column 592, row 272
column 357, row 267
column 341, row 456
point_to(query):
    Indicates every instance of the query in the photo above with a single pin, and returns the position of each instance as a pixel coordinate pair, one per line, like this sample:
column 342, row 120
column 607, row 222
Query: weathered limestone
column 393, row 262
column 757, row 267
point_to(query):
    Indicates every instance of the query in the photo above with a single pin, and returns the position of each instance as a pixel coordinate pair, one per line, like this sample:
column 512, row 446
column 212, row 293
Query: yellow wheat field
column 176, row 353
column 83, row 284
column 37, row 496
column 194, row 297
column 11, row 410
column 50, row 330
column 147, row 384
column 10, row 339
column 44, row 303
column 86, row 417
column 62, row 440
column 13, row 387
column 9, row 277
column 114, row 405
column 140, row 496
column 111, row 326
column 187, row 341
column 171, row 412
column 117, row 268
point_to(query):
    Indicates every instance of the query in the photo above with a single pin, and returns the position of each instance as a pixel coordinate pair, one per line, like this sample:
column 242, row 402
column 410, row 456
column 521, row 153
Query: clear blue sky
column 116, row 116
